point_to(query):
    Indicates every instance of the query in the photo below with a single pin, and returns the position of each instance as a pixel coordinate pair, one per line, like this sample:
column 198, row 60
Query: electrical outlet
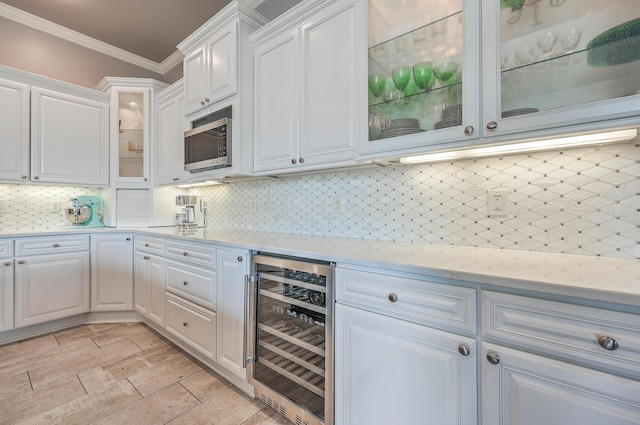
column 498, row 202
column 338, row 205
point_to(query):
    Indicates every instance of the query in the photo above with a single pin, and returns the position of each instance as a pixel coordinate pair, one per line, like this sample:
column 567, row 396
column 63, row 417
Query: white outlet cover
column 498, row 203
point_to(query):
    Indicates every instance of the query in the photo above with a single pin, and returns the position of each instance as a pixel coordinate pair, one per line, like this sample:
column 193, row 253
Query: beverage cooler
column 290, row 342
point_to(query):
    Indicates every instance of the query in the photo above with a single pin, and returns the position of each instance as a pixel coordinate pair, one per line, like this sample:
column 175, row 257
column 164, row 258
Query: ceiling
column 150, row 29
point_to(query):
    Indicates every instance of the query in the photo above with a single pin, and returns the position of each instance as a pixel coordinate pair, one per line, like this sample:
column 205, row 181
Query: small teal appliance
column 86, row 211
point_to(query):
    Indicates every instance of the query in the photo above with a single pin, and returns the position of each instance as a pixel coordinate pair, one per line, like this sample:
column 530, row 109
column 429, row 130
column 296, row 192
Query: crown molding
column 67, row 34
column 172, row 61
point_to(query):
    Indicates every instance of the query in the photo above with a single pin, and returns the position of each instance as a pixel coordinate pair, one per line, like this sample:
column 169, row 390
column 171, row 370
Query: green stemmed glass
column 401, row 76
column 423, row 75
column 377, row 84
column 444, row 71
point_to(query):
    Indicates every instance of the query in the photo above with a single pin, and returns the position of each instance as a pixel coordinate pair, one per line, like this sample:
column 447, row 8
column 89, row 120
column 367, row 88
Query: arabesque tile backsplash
column 578, row 201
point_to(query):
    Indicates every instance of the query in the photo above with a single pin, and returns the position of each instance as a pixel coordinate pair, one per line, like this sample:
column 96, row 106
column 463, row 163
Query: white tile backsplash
column 577, row 201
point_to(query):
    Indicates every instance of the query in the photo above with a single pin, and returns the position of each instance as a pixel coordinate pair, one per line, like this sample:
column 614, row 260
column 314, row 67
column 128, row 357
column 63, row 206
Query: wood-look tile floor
column 117, row 374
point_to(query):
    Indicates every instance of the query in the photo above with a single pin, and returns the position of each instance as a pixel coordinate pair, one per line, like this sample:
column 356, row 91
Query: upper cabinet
column 307, row 96
column 14, row 131
column 423, row 74
column 131, row 124
column 558, row 63
column 170, row 136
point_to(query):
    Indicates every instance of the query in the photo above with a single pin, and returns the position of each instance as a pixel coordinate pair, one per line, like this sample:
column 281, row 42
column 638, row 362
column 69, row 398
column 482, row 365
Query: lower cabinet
column 112, row 273
column 6, row 294
column 150, row 287
column 232, row 267
column 49, row 287
column 193, row 324
column 527, row 389
column 389, row 371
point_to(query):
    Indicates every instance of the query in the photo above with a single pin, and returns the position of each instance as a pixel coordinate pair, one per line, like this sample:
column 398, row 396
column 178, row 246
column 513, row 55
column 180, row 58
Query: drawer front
column 418, row 301
column 6, row 249
column 570, row 331
column 200, row 255
column 192, row 324
column 51, row 245
column 150, row 245
column 193, row 283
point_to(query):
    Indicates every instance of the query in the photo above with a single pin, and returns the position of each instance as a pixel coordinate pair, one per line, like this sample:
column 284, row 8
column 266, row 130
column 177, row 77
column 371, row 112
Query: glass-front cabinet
column 557, row 63
column 423, row 73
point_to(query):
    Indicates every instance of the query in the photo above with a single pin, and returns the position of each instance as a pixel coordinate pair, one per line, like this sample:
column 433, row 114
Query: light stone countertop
column 594, row 278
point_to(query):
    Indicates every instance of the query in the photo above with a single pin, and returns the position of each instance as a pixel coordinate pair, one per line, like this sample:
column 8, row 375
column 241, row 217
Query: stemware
column 377, row 84
column 401, row 76
column 546, row 41
column 423, row 75
column 445, row 71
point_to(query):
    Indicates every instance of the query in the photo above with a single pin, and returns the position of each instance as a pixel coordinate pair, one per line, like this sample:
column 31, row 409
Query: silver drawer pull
column 608, row 343
column 147, row 258
column 56, row 245
column 146, row 245
column 185, row 324
column 185, row 283
column 493, row 358
column 393, row 297
column 464, row 349
column 7, row 263
column 185, row 253
column 22, row 262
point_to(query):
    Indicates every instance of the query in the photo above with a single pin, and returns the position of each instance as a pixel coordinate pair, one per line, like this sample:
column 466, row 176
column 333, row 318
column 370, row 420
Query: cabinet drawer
column 51, row 245
column 6, row 249
column 193, row 324
column 200, row 255
column 419, row 301
column 570, row 331
column 150, row 245
column 193, row 283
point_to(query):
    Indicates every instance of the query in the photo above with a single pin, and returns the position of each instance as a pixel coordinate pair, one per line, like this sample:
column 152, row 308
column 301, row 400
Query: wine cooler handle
column 248, row 287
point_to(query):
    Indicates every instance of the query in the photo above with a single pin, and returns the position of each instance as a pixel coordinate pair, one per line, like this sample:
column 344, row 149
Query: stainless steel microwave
column 208, row 146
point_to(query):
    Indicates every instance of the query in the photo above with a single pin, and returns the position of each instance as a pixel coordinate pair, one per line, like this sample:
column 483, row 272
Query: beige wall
column 31, row 50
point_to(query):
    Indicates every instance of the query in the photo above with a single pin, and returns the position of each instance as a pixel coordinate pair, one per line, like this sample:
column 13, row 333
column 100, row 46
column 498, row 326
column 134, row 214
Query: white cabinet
column 196, row 284
column 211, row 69
column 307, row 95
column 65, row 128
column 391, row 364
column 149, row 282
column 389, row 371
column 14, row 131
column 6, row 285
column 170, row 140
column 52, row 278
column 194, row 325
column 546, row 65
column 111, row 273
column 526, row 389
column 232, row 267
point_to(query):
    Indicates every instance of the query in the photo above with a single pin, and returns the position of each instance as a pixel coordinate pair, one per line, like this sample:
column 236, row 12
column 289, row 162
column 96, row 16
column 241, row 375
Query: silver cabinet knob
column 24, row 177
column 146, row 179
column 239, row 258
column 464, row 349
column 206, row 99
column 493, row 358
column 392, row 297
column 146, row 245
column 468, row 130
column 147, row 258
column 185, row 253
column 185, row 324
column 492, row 125
column 22, row 262
column 7, row 263
column 301, row 160
column 185, row 283
column 608, row 343
column 202, row 102
column 175, row 179
column 294, row 161
column 128, row 239
column 56, row 245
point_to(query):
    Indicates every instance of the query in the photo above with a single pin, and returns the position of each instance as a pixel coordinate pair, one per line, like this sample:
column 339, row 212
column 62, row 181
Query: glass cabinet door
column 554, row 63
column 131, row 137
column 422, row 75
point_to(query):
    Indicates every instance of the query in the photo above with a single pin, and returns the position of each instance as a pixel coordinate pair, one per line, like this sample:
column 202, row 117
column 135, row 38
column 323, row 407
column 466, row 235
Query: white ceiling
column 150, row 29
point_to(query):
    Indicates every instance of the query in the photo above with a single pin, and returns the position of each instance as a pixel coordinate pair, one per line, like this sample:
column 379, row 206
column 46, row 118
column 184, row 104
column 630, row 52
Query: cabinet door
column 330, row 81
column 111, row 273
column 142, row 283
column 277, row 104
column 393, row 372
column 14, row 131
column 157, row 297
column 171, row 140
column 549, row 65
column 69, row 139
column 232, row 268
column 526, row 389
column 195, row 80
column 6, row 294
column 49, row 287
column 222, row 59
